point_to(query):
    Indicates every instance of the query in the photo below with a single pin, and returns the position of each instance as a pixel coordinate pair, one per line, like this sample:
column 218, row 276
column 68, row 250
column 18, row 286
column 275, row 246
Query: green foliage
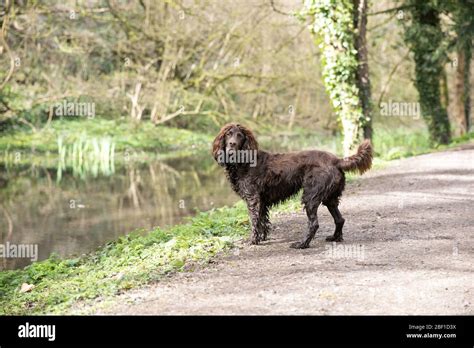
column 332, row 24
column 427, row 41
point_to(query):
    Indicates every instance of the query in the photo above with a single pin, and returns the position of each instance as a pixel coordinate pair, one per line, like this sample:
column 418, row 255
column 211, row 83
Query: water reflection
column 86, row 157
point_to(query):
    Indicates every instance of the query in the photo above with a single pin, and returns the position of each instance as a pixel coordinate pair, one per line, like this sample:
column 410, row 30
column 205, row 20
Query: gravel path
column 408, row 249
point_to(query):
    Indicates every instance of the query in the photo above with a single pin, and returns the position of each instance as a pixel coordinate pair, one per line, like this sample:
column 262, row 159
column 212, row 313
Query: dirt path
column 409, row 249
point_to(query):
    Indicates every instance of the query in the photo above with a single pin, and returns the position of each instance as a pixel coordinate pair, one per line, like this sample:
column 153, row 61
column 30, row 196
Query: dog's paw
column 298, row 245
column 254, row 241
column 334, row 239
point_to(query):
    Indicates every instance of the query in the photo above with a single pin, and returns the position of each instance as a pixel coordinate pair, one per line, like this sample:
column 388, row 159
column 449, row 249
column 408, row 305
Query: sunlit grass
column 126, row 136
column 400, row 142
column 404, row 142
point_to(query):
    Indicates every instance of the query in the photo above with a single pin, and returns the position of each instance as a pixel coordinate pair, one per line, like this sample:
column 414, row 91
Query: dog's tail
column 361, row 161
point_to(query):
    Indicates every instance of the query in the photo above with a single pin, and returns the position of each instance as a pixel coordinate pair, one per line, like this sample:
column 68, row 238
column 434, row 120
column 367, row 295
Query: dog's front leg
column 253, row 206
column 264, row 221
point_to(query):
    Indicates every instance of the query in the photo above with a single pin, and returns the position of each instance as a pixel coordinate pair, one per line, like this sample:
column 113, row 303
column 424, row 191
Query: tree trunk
column 463, row 87
column 444, row 90
column 467, row 86
column 459, row 111
column 363, row 80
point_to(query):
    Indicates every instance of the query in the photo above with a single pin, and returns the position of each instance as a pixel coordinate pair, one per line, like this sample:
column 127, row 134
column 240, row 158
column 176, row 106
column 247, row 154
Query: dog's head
column 233, row 137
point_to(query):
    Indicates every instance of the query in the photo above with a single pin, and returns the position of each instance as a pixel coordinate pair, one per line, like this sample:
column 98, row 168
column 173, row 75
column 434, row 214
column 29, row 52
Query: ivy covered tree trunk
column 425, row 38
column 336, row 35
column 363, row 79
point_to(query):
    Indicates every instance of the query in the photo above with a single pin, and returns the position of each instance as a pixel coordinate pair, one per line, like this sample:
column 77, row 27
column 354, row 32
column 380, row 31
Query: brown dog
column 263, row 179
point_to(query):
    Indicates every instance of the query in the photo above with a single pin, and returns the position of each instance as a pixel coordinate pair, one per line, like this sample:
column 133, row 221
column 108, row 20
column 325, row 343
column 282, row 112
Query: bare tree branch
column 4, row 43
column 272, row 4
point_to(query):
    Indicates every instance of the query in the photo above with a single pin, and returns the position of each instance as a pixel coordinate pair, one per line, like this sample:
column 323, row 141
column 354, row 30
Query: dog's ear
column 250, row 142
column 218, row 145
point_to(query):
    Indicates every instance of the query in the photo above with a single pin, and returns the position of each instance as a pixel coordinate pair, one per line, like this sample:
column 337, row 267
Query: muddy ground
column 408, row 249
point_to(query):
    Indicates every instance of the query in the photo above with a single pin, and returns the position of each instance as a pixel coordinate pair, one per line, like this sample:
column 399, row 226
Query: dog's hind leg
column 315, row 186
column 338, row 220
column 313, row 225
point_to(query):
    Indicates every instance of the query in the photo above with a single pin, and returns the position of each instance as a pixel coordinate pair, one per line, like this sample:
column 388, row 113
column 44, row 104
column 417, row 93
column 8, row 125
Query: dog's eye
column 239, row 135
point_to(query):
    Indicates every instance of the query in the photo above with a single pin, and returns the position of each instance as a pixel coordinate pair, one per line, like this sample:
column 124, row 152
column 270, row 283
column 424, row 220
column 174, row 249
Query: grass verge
column 132, row 260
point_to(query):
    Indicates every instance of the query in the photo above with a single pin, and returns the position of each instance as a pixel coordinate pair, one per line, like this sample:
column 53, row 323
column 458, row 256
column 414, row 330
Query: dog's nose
column 232, row 144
